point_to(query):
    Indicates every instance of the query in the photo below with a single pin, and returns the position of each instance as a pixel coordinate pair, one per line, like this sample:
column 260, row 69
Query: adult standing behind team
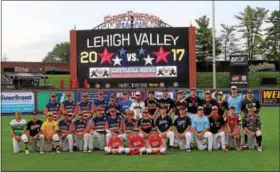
column 193, row 101
column 125, row 104
column 152, row 104
column 100, row 101
column 85, row 106
column 34, row 133
column 137, row 106
column 235, row 100
column 54, row 107
column 166, row 101
column 207, row 103
column 68, row 106
column 113, row 103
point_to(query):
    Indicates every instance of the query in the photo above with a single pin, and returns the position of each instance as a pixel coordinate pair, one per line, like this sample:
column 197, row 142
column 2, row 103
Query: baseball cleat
column 41, row 152
column 245, row 146
column 90, row 150
column 26, row 151
column 71, row 151
column 209, row 150
column 188, row 150
column 260, row 149
column 225, row 150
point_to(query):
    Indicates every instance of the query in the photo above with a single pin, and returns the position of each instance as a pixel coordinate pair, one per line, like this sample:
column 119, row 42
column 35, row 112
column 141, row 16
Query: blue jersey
column 200, row 123
column 80, row 125
column 85, row 107
column 99, row 123
column 69, row 106
column 114, row 124
column 102, row 103
column 129, row 125
column 235, row 102
column 115, row 105
column 53, row 107
column 125, row 105
column 64, row 127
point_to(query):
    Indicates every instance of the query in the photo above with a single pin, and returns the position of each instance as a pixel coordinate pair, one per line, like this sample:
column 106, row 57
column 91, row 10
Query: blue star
column 122, row 51
column 141, row 51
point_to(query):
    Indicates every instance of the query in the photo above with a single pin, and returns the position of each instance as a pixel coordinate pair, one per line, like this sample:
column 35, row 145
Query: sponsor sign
column 14, row 101
column 199, row 93
column 241, row 93
column 43, row 98
column 262, row 67
column 92, row 95
column 239, row 60
column 171, row 94
column 119, row 94
column 239, row 80
column 270, row 97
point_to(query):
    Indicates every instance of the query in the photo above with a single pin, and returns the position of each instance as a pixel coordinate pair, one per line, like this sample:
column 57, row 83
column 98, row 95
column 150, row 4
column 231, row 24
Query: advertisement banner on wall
column 158, row 94
column 43, row 98
column 241, row 93
column 92, row 95
column 119, row 94
column 17, row 101
column 199, row 93
column 270, row 97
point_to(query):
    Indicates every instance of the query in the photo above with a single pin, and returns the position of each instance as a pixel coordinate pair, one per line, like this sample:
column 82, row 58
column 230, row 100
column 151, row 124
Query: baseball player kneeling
column 155, row 144
column 115, row 144
column 136, row 144
column 66, row 129
column 81, row 132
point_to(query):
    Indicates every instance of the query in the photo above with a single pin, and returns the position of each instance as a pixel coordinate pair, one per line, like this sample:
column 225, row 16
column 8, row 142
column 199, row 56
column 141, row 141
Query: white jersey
column 18, row 126
column 137, row 108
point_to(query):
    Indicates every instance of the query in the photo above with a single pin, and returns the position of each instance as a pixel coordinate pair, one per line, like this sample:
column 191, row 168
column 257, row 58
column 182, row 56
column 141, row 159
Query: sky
column 31, row 29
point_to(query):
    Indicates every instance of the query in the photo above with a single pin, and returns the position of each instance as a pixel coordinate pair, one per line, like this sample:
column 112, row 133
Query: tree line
column 258, row 40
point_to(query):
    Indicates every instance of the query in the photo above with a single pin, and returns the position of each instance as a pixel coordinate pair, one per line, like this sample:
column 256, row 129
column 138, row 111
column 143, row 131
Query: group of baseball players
column 135, row 127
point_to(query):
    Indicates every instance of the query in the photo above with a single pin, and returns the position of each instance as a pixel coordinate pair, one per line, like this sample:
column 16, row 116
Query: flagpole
column 214, row 45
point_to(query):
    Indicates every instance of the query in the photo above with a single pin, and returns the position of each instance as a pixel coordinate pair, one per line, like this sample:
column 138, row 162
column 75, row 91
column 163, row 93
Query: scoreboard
column 140, row 57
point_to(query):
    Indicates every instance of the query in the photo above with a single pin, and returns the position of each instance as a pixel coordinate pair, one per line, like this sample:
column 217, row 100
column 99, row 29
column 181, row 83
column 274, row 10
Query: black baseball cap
column 179, row 92
column 34, row 113
column 125, row 93
column 80, row 113
column 182, row 108
column 249, row 91
column 154, row 129
column 164, row 90
column 207, row 92
column 193, row 88
column 151, row 91
column 232, row 107
column 113, row 96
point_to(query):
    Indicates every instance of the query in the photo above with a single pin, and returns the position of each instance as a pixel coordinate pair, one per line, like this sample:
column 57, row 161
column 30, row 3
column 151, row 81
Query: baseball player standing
column 115, row 145
column 85, row 106
column 182, row 129
column 166, row 101
column 66, row 128
column 125, row 104
column 179, row 103
column 34, row 133
column 155, row 143
column 208, row 102
column 193, row 101
column 217, row 127
column 234, row 100
column 18, row 132
column 136, row 144
column 81, row 132
column 222, row 105
column 54, row 107
column 137, row 106
column 68, row 106
column 200, row 127
column 152, row 104
column 100, row 101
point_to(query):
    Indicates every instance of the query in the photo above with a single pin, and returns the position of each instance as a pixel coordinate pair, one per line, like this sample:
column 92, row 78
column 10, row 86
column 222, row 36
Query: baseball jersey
column 34, row 127
column 222, row 107
column 193, row 103
column 85, row 107
column 216, row 124
column 166, row 102
column 155, row 141
column 18, row 126
column 64, row 126
column 129, row 125
column 50, row 127
column 136, row 142
column 69, row 106
column 163, row 123
column 103, row 103
column 80, row 125
column 115, row 105
column 207, row 104
column 54, row 108
column 137, row 108
column 200, row 123
column 146, row 124
column 115, row 142
column 125, row 105
column 252, row 122
column 152, row 105
column 182, row 123
column 114, row 123
column 178, row 105
column 232, row 121
column 235, row 102
column 255, row 103
column 99, row 123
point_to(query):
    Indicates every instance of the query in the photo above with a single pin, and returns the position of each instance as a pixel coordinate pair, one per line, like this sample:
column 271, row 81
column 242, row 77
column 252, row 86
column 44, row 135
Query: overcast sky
column 31, row 29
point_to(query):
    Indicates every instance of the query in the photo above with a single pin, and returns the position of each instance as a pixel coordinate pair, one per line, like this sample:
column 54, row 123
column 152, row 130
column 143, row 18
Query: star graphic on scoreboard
column 106, row 56
column 117, row 61
column 122, row 52
column 161, row 55
column 148, row 60
column 141, row 51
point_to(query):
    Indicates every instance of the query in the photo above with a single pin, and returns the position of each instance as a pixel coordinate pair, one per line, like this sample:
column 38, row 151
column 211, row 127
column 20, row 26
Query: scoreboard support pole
column 192, row 57
column 73, row 57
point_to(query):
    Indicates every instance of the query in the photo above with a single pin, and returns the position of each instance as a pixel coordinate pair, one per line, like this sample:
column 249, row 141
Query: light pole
column 214, row 45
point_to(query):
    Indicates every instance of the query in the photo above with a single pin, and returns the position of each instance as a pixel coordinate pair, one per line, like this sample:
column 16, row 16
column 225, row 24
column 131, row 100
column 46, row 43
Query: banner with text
column 270, row 97
column 14, row 101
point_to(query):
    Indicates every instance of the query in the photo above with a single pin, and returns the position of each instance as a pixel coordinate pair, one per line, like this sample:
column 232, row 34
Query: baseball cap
column 151, row 91
column 154, row 129
column 112, row 109
column 145, row 110
column 165, row 89
column 179, row 92
column 232, row 107
column 53, row 95
column 100, row 92
column 17, row 112
column 162, row 107
column 135, row 129
column 193, row 88
column 113, row 96
column 220, row 93
column 249, row 91
column 116, row 132
column 200, row 108
column 233, row 87
column 207, row 92
column 137, row 93
column 99, row 108
column 49, row 114
column 250, row 106
column 34, row 113
column 214, row 107
column 125, row 93
column 80, row 113
column 182, row 108
column 85, row 94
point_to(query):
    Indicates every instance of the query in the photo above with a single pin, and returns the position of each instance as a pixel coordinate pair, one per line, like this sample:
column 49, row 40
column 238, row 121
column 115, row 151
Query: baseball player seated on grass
column 145, row 124
column 115, row 144
column 54, row 107
column 86, row 107
column 200, row 128
column 66, row 128
column 217, row 127
column 50, row 131
column 113, row 123
column 97, row 129
column 18, row 132
column 155, row 143
column 233, row 129
column 164, row 124
column 252, row 127
column 68, row 106
column 34, row 133
column 183, row 129
column 136, row 144
column 128, row 125
column 81, row 132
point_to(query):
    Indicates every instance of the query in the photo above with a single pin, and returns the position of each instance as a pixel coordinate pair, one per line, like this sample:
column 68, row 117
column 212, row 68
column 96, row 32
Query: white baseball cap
column 233, row 87
column 138, row 93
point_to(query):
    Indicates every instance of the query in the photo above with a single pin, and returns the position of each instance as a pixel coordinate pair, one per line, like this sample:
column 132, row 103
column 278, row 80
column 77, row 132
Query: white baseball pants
column 16, row 145
column 108, row 150
column 185, row 143
column 201, row 144
column 219, row 140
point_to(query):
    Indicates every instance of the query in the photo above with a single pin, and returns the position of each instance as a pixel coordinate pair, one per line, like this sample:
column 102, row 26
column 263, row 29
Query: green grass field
column 268, row 160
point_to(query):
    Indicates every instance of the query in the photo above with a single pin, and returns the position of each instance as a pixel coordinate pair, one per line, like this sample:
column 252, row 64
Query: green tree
column 251, row 21
column 228, row 40
column 59, row 54
column 204, row 39
column 271, row 43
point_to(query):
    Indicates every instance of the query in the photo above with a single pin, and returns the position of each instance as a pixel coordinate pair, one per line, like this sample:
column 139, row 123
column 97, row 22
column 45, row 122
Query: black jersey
column 193, row 103
column 179, row 104
column 166, row 102
column 151, row 105
column 216, row 124
column 146, row 124
column 207, row 105
column 182, row 123
column 34, row 127
column 222, row 107
column 163, row 123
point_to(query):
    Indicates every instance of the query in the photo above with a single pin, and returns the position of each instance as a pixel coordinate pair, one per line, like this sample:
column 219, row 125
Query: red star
column 106, row 56
column 161, row 55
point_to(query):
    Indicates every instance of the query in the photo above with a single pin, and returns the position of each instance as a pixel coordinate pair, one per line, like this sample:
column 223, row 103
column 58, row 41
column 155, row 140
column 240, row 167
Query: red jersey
column 136, row 142
column 115, row 142
column 232, row 121
column 155, row 141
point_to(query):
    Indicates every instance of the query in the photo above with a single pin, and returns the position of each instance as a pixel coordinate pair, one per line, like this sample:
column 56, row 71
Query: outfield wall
column 28, row 101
